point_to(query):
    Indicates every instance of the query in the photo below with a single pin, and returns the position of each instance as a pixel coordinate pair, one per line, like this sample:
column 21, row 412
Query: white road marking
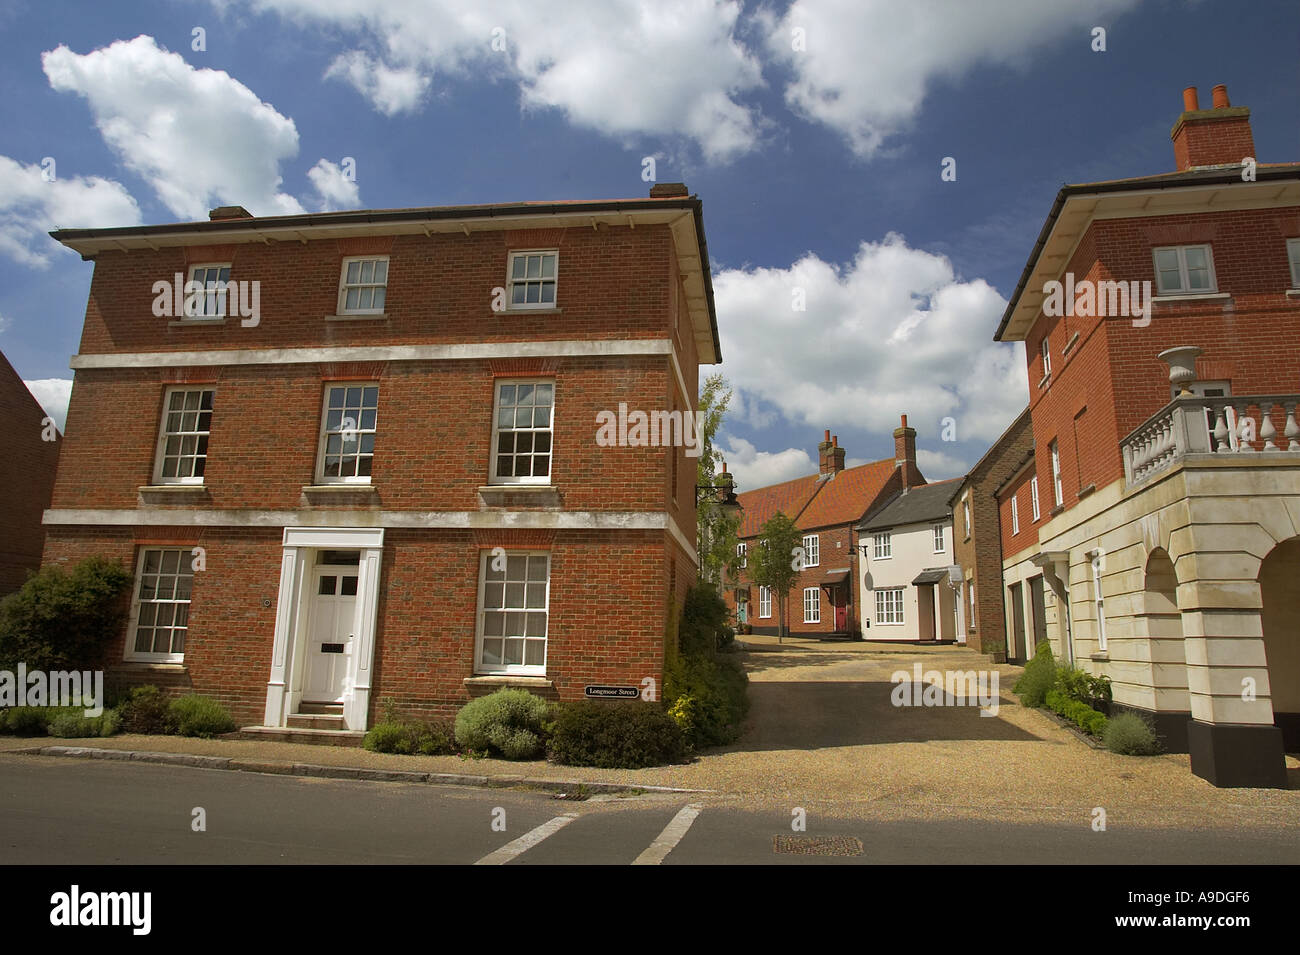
column 671, row 835
column 518, row 847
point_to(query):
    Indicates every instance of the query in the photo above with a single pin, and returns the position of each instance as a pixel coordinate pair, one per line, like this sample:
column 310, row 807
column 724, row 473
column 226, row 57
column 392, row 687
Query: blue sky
column 817, row 155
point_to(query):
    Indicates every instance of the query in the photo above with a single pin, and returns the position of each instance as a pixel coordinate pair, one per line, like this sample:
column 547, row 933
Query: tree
column 64, row 619
column 776, row 562
column 715, row 534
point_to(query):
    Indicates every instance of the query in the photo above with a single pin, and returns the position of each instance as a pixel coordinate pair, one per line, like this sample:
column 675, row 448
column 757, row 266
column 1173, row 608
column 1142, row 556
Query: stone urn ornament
column 1181, row 360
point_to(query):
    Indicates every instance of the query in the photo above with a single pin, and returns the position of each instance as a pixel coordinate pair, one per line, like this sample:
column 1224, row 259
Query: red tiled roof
column 814, row 501
column 789, row 497
column 845, row 497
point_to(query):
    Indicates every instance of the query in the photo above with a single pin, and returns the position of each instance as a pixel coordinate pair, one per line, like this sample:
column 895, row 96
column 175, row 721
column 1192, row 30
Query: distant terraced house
column 387, row 484
column 826, row 600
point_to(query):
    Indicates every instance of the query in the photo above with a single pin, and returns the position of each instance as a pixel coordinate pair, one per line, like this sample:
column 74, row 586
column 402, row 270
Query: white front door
column 330, row 632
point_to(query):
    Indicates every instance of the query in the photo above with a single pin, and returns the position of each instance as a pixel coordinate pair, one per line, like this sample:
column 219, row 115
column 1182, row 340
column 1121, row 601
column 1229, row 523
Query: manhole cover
column 817, row 845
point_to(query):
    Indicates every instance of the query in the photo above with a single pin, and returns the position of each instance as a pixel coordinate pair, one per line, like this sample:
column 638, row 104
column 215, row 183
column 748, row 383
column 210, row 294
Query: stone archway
column 1161, row 622
column 1280, row 620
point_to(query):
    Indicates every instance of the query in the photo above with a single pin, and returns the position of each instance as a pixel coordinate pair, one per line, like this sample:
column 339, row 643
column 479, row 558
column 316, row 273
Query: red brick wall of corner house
column 27, row 468
column 612, row 283
column 426, row 612
column 1112, row 371
column 432, row 447
column 681, row 505
column 607, row 599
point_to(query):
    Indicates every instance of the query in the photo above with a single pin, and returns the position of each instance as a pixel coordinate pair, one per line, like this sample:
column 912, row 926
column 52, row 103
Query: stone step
column 316, row 721
column 292, row 734
column 324, row 709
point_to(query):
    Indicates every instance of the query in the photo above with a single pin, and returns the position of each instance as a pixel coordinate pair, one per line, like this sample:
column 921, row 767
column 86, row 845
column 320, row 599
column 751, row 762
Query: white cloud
column 892, row 332
column 53, row 394
column 199, row 137
column 4, row 324
column 868, row 64
column 939, row 465
column 335, row 189
column 626, row 68
column 30, row 206
column 754, row 469
column 390, row 91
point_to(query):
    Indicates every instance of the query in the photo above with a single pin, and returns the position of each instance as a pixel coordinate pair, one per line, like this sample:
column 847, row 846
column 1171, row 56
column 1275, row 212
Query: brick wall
column 27, row 468
column 981, row 553
column 607, row 598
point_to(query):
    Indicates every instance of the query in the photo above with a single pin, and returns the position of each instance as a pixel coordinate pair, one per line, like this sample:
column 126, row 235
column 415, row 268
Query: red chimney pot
column 1190, row 102
column 1220, row 94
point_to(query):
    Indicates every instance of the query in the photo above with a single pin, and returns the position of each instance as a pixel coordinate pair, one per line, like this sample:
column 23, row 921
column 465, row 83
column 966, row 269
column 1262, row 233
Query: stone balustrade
column 1192, row 424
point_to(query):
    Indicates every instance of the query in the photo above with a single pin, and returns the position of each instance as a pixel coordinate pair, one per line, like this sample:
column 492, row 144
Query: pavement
column 824, row 736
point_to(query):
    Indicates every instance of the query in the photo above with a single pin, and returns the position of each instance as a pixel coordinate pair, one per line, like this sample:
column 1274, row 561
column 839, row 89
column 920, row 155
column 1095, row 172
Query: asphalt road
column 81, row 812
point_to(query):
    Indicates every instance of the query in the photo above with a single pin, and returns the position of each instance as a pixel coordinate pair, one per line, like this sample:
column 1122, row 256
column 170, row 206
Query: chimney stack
column 1219, row 136
column 830, row 455
column 229, row 212
column 905, row 454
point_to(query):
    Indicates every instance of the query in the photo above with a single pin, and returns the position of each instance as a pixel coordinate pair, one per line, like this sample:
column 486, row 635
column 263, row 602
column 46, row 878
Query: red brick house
column 1166, row 541
column 387, row 483
column 27, row 469
column 977, row 544
column 827, row 507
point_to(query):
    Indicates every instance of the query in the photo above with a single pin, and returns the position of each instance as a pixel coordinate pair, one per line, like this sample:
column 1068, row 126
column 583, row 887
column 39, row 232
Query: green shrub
column 62, row 619
column 707, row 697
column 1082, row 686
column 76, row 724
column 615, row 735
column 509, row 723
column 27, row 720
column 703, row 626
column 1081, row 714
column 195, row 715
column 1130, row 735
column 1038, row 678
column 406, row 738
column 146, row 709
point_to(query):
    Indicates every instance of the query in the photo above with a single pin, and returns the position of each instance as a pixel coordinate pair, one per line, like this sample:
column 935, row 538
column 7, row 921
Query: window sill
column 360, row 317
column 1293, row 293
column 1189, row 296
column 1085, row 491
column 1070, row 344
column 1101, row 656
column 1046, row 378
column 506, row 679
column 172, row 493
column 153, row 666
column 531, row 495
column 530, row 311
column 196, row 322
column 331, row 493
column 1059, row 509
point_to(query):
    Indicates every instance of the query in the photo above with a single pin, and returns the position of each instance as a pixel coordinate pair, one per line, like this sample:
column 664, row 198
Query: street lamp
column 728, row 504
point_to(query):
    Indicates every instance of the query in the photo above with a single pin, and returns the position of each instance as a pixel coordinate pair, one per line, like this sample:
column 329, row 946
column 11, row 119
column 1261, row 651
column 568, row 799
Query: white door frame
column 288, row 653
